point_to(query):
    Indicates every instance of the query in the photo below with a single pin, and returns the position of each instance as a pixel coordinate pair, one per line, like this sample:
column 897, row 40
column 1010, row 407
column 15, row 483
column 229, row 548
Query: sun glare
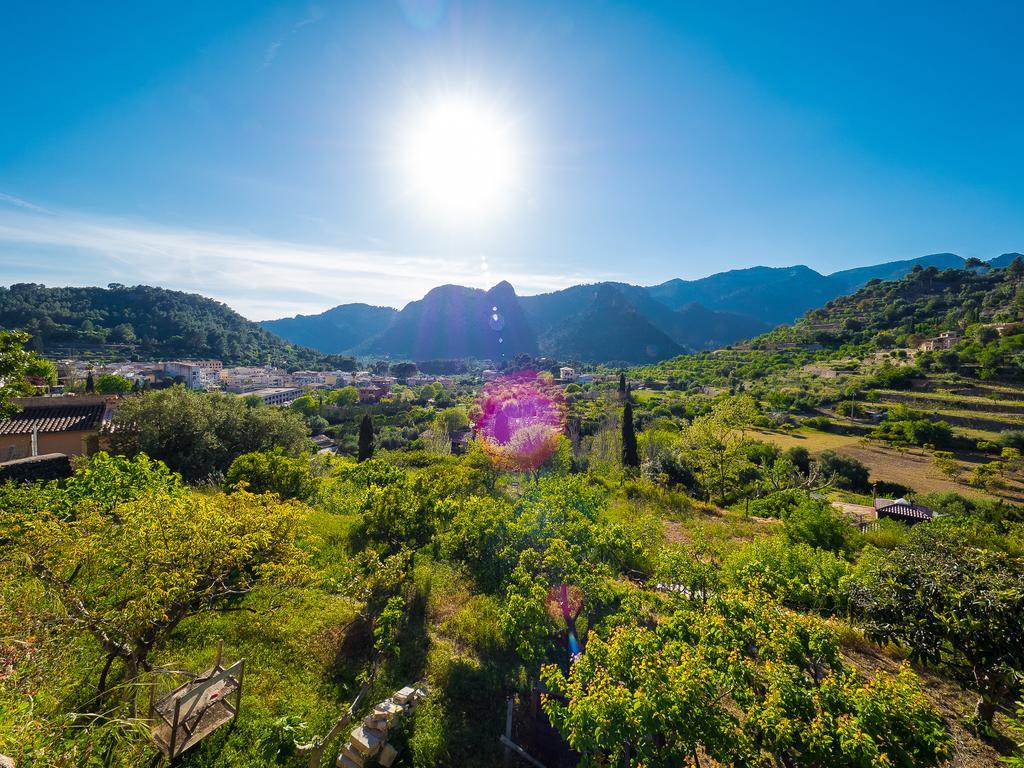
column 461, row 159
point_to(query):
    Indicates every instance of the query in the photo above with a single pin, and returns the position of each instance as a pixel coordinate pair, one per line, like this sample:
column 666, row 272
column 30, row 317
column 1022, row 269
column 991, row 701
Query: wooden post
column 152, row 697
column 238, row 696
column 508, row 732
column 174, row 730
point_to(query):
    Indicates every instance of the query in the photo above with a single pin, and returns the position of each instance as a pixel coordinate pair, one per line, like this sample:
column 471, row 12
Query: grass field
column 913, row 468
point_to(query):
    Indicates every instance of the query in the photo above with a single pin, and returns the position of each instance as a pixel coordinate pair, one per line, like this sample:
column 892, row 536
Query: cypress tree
column 365, row 438
column 630, row 454
column 622, row 385
column 90, row 385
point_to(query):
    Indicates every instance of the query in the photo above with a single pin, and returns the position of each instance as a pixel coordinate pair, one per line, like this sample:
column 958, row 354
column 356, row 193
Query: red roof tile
column 59, row 417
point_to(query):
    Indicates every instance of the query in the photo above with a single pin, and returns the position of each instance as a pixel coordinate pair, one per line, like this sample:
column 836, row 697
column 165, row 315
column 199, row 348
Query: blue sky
column 247, row 150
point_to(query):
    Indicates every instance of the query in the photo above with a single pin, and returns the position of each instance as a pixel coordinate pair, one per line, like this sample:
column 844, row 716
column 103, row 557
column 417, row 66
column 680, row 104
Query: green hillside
column 143, row 321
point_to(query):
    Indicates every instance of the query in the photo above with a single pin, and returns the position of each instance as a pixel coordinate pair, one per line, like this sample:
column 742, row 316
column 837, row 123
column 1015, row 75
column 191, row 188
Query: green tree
column 112, row 384
column 818, row 524
column 288, row 477
column 451, row 420
column 123, row 333
column 90, row 383
column 744, row 683
column 13, row 362
column 952, row 602
column 199, row 434
column 365, row 438
column 129, row 574
column 717, row 443
column 630, row 453
column 344, row 396
column 403, row 371
column 797, row 575
column 41, row 368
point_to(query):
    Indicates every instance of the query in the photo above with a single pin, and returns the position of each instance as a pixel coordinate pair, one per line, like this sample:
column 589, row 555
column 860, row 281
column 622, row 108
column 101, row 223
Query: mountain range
column 604, row 322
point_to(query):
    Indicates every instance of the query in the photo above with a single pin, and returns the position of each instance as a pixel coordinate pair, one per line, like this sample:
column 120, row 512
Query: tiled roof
column 59, row 417
column 905, row 509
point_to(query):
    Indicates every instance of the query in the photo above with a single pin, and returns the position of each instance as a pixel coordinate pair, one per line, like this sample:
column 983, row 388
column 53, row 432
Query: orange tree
column 127, row 570
column 742, row 681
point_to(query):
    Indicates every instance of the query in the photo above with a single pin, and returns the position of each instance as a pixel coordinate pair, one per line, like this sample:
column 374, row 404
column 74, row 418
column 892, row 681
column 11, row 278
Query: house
column 902, row 510
column 311, row 378
column 945, row 340
column 195, row 374
column 565, row 373
column 243, row 379
column 68, row 425
column 276, row 395
column 324, row 444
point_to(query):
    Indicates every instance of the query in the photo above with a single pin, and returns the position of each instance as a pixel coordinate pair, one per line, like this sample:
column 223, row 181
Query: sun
column 461, row 159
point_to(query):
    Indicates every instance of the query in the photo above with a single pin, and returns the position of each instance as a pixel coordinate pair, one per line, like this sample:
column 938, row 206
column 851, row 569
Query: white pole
column 35, row 442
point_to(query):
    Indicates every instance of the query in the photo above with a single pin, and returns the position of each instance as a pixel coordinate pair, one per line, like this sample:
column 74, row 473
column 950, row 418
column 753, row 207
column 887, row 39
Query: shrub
column 821, row 423
column 819, row 525
column 775, row 504
column 795, row 574
column 289, row 478
column 1012, row 438
column 850, row 473
column 888, row 534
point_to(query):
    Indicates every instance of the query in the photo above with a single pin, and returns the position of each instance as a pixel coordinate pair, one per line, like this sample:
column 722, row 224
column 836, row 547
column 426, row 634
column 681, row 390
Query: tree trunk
column 102, row 686
column 984, row 710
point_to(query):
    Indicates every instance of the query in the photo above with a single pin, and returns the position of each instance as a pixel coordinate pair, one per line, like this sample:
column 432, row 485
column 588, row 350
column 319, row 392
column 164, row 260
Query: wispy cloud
column 17, row 202
column 315, row 14
column 260, row 277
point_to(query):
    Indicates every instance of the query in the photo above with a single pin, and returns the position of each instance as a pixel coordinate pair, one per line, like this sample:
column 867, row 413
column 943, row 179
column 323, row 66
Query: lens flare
column 521, row 417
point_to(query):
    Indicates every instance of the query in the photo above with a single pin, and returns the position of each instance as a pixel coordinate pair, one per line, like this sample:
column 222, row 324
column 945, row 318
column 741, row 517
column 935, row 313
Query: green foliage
column 13, row 362
column 112, row 384
column 953, row 602
column 850, row 473
column 630, row 455
column 41, row 368
column 288, row 477
column 796, row 574
column 128, row 574
column 654, row 696
column 161, row 323
column 775, row 504
column 716, row 443
column 452, row 419
column 1016, row 728
column 199, row 434
column 818, row 524
column 365, row 438
column 428, row 742
column 343, row 397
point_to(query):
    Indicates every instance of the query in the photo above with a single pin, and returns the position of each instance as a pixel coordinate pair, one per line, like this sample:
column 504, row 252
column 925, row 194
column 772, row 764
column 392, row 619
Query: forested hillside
column 983, row 307
column 144, row 321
